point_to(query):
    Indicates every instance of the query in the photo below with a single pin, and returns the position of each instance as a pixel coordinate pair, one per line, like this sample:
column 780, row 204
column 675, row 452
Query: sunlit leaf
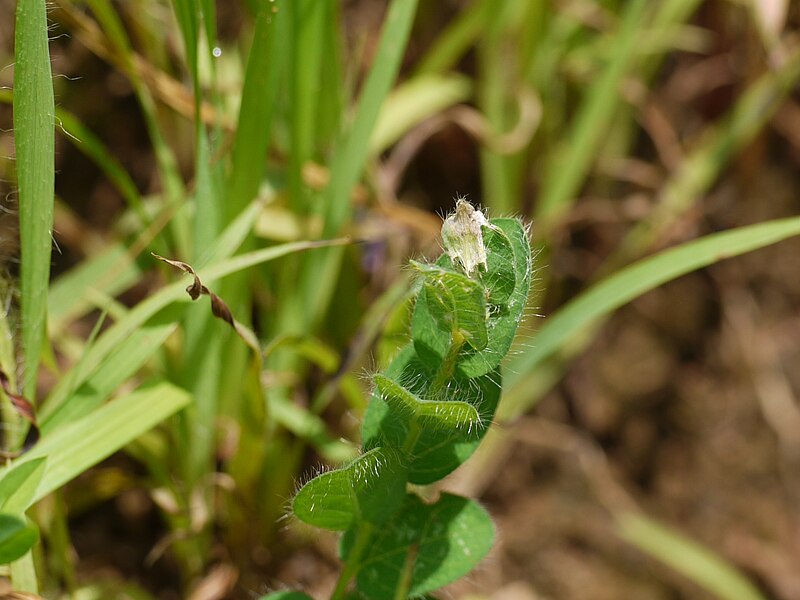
column 19, row 484
column 370, row 488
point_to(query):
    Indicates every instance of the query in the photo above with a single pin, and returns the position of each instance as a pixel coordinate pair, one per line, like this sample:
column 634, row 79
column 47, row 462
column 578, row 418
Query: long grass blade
column 687, row 557
column 630, row 283
column 34, row 137
column 349, row 161
column 320, row 277
column 148, row 308
column 572, row 160
column 720, row 142
column 72, row 449
column 259, row 96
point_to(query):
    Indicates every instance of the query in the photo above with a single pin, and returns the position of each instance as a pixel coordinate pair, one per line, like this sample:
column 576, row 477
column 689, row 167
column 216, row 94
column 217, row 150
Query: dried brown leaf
column 197, row 288
column 218, row 307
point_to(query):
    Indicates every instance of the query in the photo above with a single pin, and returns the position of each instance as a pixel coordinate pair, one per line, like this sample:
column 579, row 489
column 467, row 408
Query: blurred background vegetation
column 649, row 453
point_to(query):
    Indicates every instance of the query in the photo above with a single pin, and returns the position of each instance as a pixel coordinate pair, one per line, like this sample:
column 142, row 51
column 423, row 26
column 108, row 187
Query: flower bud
column 462, row 237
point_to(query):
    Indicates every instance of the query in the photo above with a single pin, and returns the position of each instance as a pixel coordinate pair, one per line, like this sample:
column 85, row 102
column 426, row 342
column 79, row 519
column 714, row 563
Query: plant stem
column 353, row 562
column 449, row 363
column 404, row 584
column 414, row 430
column 442, row 377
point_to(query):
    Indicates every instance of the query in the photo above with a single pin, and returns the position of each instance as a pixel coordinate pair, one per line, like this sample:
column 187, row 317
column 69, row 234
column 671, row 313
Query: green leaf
column 187, row 13
column 18, row 486
column 687, row 557
column 259, row 96
column 504, row 321
column 500, row 277
column 370, row 488
column 438, row 450
column 722, row 140
column 122, row 363
column 98, row 355
column 34, row 139
column 308, row 23
column 571, row 160
column 444, row 415
column 353, row 151
column 454, row 40
column 16, row 538
column 456, row 303
column 449, row 537
column 320, row 273
column 109, row 271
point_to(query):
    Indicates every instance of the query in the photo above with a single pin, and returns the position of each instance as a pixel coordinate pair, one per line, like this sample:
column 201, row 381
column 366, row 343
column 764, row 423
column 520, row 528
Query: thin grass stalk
column 319, row 277
column 242, row 401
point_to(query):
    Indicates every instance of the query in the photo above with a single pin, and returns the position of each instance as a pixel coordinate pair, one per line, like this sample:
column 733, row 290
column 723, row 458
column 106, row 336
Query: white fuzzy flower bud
column 462, row 236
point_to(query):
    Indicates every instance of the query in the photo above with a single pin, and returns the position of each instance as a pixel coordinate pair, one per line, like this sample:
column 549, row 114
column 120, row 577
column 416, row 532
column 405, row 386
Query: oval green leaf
column 436, row 415
column 449, row 537
column 438, row 450
column 500, row 277
column 455, row 303
column 369, row 488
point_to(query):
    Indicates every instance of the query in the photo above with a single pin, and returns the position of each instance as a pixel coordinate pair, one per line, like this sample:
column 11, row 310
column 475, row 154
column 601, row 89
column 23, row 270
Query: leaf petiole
column 448, row 365
column 353, row 563
column 404, row 585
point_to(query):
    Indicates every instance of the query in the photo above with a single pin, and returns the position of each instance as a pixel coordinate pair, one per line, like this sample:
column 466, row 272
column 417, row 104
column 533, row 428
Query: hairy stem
column 448, row 365
column 414, row 432
column 404, row 584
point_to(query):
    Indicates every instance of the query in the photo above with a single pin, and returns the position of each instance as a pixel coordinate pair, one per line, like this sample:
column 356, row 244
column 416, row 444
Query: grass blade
column 74, row 448
column 702, row 166
column 414, row 101
column 307, row 29
column 572, row 160
column 109, row 272
column 687, row 557
column 148, row 308
column 34, row 137
column 631, row 282
column 349, row 162
column 123, row 362
column 319, row 278
column 454, row 41
column 259, row 96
